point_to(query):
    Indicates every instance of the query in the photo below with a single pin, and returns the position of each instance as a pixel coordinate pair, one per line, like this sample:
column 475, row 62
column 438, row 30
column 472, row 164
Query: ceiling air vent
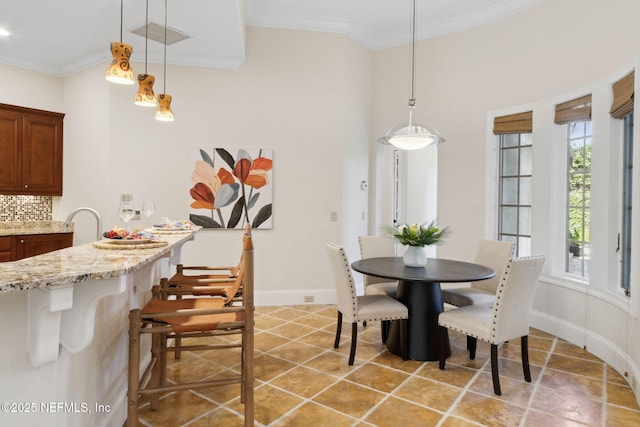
column 156, row 33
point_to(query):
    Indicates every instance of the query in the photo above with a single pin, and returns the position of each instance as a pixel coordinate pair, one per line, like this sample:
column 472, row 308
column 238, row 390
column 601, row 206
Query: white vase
column 415, row 256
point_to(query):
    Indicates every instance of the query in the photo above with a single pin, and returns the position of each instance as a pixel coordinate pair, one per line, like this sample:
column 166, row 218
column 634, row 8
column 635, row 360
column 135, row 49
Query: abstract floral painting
column 230, row 192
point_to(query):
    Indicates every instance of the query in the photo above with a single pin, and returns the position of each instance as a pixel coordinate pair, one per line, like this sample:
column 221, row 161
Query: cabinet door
column 36, row 244
column 7, row 249
column 42, row 155
column 10, row 137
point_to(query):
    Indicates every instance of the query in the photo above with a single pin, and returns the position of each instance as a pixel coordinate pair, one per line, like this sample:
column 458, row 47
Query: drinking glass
column 126, row 212
column 148, row 208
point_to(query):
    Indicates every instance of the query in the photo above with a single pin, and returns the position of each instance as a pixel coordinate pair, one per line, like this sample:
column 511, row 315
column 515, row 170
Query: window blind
column 576, row 110
column 622, row 104
column 513, row 123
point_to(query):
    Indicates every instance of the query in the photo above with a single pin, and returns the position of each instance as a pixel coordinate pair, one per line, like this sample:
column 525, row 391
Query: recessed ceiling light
column 4, row 32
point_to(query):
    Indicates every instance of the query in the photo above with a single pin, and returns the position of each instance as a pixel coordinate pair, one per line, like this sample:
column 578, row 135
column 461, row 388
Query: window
column 576, row 114
column 579, row 197
column 622, row 108
column 514, row 198
column 627, row 180
column 514, row 175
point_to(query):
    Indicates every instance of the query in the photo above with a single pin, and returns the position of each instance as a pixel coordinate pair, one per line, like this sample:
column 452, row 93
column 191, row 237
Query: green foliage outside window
column 580, row 193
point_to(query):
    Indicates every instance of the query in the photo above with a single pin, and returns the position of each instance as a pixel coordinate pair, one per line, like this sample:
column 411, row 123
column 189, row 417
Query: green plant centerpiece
column 416, row 237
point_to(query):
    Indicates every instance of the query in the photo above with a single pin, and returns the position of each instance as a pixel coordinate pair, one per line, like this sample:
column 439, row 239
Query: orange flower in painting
column 202, row 195
column 207, row 184
column 254, row 174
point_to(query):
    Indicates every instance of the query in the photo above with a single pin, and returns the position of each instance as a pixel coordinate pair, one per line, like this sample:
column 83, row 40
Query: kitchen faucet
column 95, row 213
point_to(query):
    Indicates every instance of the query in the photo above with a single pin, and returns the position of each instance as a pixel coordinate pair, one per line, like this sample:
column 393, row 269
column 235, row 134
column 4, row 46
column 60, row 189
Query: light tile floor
column 301, row 380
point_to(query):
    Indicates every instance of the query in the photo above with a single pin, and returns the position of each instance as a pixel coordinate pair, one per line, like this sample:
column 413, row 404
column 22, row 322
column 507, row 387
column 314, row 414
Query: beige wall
column 28, row 88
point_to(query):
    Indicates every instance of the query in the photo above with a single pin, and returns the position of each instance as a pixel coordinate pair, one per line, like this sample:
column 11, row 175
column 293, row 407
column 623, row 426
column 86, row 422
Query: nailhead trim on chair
column 354, row 297
column 505, row 275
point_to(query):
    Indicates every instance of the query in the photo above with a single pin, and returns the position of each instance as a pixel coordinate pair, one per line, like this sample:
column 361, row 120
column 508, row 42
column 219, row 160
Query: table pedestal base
column 424, row 301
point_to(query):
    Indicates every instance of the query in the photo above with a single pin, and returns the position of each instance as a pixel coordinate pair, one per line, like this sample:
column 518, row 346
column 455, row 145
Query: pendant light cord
column 412, row 99
column 146, row 38
column 121, row 19
column 164, row 79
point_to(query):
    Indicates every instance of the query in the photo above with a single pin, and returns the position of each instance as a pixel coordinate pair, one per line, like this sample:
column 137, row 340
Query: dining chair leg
column 472, row 345
column 404, row 347
column 134, row 369
column 524, row 349
column 354, row 341
column 469, row 342
column 494, row 369
column 442, row 347
column 384, row 331
column 336, row 344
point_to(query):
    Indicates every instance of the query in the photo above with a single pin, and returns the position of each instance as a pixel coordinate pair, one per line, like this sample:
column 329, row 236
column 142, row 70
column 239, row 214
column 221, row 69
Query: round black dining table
column 419, row 290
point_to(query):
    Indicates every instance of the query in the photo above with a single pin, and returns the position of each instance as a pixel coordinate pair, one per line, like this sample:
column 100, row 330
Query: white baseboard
column 558, row 327
column 295, row 297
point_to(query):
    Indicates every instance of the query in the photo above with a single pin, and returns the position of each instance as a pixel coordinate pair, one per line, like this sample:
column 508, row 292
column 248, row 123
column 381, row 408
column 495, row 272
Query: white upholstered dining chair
column 493, row 254
column 506, row 320
column 365, row 308
column 374, row 247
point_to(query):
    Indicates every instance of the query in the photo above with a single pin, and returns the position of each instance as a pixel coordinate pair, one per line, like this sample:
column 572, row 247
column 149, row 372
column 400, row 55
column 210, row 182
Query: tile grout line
column 537, row 383
column 464, row 391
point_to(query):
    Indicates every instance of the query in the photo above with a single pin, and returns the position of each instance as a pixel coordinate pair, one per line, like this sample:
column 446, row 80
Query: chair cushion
column 472, row 320
column 380, row 307
column 181, row 324
column 463, row 296
column 383, row 288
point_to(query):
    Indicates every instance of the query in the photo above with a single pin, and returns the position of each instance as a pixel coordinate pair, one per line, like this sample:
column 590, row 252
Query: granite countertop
column 81, row 263
column 14, row 228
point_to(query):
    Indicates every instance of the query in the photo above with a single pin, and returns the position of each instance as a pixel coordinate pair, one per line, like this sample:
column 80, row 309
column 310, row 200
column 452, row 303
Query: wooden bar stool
column 168, row 319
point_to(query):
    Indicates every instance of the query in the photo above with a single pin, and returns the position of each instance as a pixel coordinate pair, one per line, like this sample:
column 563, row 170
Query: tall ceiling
column 61, row 37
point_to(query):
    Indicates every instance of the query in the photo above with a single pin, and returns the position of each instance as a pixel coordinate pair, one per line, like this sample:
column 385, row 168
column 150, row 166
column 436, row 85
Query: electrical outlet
column 308, row 298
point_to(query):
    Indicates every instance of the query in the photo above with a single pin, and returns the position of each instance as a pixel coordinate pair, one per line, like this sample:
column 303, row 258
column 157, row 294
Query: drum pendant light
column 414, row 133
column 120, row 71
column 164, row 113
column 145, row 96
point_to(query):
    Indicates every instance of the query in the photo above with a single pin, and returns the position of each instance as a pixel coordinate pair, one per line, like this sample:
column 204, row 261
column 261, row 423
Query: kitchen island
column 64, row 317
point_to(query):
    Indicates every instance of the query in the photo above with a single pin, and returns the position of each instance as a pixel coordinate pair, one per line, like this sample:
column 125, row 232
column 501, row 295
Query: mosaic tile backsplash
column 26, row 208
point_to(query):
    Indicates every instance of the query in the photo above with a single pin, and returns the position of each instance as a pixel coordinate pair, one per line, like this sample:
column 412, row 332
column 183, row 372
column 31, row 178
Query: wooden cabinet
column 7, row 248
column 13, row 248
column 30, row 151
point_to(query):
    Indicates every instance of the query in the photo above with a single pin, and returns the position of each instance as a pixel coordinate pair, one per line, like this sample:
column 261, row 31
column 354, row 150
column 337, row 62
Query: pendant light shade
column 164, row 112
column 145, row 96
column 120, row 69
column 412, row 132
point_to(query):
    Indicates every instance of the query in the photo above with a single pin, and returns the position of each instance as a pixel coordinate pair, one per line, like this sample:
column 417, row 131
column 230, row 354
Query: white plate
column 128, row 241
column 170, row 229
